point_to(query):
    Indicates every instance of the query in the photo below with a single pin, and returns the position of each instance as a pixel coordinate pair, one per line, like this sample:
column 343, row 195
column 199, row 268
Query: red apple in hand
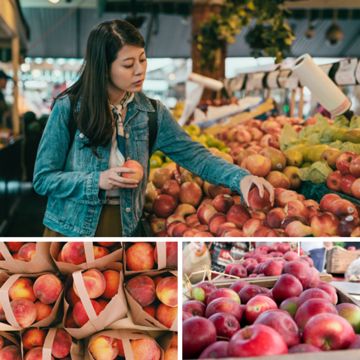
column 256, row 340
column 256, row 202
column 329, row 332
column 134, row 165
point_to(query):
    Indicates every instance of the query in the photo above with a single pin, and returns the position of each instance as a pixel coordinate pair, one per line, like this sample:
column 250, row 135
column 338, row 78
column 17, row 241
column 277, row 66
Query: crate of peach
column 94, row 299
column 29, row 300
column 123, row 344
column 25, row 257
column 50, row 344
column 293, row 314
column 9, row 346
column 74, row 256
column 146, row 256
column 153, row 299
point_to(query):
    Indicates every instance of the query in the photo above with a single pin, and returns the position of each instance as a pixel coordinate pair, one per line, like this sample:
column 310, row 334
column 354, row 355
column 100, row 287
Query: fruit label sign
column 272, row 79
column 346, row 72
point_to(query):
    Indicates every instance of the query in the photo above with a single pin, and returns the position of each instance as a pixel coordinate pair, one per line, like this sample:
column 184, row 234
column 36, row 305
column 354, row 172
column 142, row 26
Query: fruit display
column 55, row 314
column 295, row 313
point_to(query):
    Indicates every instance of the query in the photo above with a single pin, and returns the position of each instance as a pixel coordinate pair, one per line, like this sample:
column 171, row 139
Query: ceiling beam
column 322, row 4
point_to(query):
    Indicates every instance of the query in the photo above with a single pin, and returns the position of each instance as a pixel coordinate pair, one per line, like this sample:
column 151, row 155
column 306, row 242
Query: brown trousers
column 109, row 224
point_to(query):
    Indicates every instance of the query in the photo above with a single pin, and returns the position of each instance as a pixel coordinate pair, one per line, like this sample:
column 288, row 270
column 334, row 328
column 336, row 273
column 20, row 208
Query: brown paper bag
column 5, row 302
column 125, row 336
column 91, row 262
column 139, row 316
column 115, row 310
column 76, row 350
column 41, row 262
column 161, row 258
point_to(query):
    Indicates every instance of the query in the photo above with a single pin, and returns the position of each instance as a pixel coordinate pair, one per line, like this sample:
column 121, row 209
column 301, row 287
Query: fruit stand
column 87, row 300
column 295, row 313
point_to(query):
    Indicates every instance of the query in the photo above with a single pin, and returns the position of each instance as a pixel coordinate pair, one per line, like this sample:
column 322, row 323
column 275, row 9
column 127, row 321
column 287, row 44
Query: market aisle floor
column 27, row 219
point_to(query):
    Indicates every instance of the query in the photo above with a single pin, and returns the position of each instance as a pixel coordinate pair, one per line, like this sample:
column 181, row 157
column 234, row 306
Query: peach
column 171, row 354
column 10, row 352
column 22, row 289
column 142, row 289
column 42, row 310
column 24, row 311
column 33, row 337
column 150, row 309
column 100, row 252
column 70, row 322
column 166, row 314
column 174, row 341
column 27, row 251
column 47, row 288
column 62, row 344
column 102, row 303
column 73, row 253
column 103, row 348
column 167, row 291
column 94, row 283
column 140, row 257
column 145, row 349
column 79, row 314
column 35, row 354
column 14, row 246
column 112, row 281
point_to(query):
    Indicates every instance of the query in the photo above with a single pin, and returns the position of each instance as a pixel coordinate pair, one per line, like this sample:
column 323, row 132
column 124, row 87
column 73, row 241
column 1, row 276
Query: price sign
column 346, row 72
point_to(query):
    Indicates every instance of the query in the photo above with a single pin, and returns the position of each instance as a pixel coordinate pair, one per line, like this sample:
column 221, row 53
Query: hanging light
column 54, row 1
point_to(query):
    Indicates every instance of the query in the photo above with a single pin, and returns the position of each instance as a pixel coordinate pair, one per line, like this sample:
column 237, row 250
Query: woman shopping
column 97, row 124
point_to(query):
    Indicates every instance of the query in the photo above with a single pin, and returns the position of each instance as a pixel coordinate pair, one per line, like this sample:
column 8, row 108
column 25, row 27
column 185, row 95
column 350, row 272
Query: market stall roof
column 63, row 31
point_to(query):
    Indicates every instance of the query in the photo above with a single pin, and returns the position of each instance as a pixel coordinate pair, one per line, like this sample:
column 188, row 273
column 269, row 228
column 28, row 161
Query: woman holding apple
column 92, row 186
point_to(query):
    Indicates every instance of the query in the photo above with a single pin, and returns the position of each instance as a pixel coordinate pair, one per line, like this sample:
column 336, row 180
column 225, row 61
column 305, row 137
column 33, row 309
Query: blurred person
column 317, row 251
column 82, row 174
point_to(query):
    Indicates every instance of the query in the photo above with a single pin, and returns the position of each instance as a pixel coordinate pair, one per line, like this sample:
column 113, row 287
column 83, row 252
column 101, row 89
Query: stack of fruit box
column 326, row 355
column 338, row 259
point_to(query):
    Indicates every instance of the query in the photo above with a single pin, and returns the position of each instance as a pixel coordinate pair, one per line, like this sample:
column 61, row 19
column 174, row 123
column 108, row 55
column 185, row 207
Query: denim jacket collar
column 141, row 102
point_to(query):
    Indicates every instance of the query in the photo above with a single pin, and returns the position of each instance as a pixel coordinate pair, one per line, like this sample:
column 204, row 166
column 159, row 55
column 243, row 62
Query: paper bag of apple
column 93, row 300
column 73, row 256
column 49, row 344
column 123, row 344
column 153, row 299
column 25, row 257
column 296, row 313
column 10, row 346
column 147, row 256
column 29, row 300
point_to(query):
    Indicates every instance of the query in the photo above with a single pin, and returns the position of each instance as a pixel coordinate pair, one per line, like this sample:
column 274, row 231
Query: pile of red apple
column 266, row 260
column 158, row 296
column 32, row 301
column 188, row 214
column 346, row 178
column 299, row 314
column 101, row 288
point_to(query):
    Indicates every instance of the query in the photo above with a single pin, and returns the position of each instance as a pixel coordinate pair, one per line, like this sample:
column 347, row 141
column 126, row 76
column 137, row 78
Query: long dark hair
column 93, row 116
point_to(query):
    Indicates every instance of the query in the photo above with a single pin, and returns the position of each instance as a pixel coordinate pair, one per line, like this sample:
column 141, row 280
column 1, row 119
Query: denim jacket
column 70, row 177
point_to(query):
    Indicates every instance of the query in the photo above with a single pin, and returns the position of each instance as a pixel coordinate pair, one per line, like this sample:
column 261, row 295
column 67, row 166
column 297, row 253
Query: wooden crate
column 338, row 259
column 326, row 355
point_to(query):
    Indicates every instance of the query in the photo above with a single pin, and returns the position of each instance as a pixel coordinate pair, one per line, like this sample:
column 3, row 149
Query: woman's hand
column 111, row 179
column 247, row 183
